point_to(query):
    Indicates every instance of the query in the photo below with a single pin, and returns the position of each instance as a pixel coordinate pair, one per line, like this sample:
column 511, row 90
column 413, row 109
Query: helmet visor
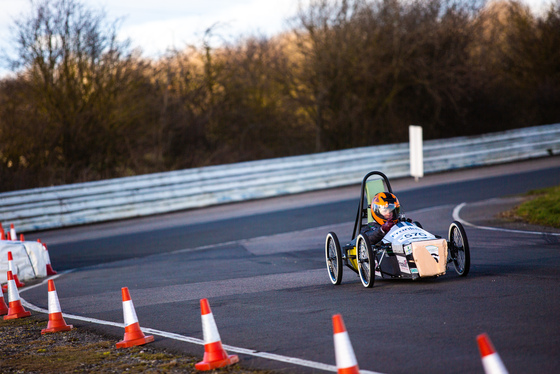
column 387, row 211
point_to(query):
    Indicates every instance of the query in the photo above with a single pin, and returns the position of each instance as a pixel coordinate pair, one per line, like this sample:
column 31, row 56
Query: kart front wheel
column 459, row 248
column 366, row 261
column 333, row 256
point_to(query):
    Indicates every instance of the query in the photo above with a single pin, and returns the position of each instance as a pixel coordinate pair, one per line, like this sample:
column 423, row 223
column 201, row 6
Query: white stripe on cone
column 13, row 234
column 210, row 329
column 129, row 313
column 344, row 353
column 13, row 294
column 491, row 360
column 493, row 364
column 54, row 305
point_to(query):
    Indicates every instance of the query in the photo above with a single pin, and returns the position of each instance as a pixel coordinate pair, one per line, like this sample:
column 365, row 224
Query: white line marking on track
column 456, row 217
column 188, row 339
column 250, row 352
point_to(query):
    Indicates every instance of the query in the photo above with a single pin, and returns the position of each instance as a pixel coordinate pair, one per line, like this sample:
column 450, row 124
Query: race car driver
column 385, row 209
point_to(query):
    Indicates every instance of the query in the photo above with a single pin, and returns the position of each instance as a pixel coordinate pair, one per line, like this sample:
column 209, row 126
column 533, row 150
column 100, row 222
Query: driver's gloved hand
column 387, row 226
column 402, row 218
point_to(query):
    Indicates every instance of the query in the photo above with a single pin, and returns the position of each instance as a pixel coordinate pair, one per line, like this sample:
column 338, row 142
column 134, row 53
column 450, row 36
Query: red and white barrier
column 20, row 261
column 29, row 259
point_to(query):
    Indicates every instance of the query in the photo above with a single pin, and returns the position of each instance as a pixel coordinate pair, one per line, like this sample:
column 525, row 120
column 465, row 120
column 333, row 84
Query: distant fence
column 84, row 203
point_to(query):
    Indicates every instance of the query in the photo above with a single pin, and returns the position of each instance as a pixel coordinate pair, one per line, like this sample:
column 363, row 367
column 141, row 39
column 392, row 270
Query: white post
column 416, row 152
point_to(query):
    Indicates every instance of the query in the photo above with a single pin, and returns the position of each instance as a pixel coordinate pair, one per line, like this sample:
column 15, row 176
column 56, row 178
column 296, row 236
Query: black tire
column 459, row 248
column 333, row 256
column 366, row 261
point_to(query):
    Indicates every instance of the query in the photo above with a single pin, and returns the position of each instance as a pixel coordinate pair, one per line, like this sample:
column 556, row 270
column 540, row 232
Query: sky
column 156, row 26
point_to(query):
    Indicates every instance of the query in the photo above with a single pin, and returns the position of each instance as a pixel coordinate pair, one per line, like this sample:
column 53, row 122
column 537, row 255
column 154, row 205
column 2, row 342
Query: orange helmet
column 385, row 206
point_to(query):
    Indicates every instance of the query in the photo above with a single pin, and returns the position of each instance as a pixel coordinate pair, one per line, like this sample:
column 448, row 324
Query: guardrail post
column 416, row 152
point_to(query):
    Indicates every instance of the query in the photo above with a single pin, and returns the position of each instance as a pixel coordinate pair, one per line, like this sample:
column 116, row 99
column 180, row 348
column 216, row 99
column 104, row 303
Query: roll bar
column 360, row 214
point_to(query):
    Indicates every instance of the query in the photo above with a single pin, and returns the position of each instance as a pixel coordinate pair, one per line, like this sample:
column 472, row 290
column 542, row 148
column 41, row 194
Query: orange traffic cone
column 132, row 333
column 50, row 270
column 2, row 233
column 3, row 306
column 13, row 235
column 346, row 362
column 56, row 321
column 491, row 360
column 18, row 283
column 15, row 309
column 215, row 356
column 11, row 268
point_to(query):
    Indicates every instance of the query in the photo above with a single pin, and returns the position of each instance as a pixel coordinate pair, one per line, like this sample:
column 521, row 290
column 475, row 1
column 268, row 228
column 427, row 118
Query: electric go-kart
column 406, row 252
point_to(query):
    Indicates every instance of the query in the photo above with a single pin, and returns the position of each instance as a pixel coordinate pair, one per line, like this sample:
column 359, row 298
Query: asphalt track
column 261, row 265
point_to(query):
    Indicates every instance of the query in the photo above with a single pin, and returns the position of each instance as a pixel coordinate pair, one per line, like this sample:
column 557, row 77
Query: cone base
column 204, row 366
column 57, row 329
column 350, row 370
column 18, row 283
column 133, row 342
column 18, row 315
column 3, row 307
column 50, row 270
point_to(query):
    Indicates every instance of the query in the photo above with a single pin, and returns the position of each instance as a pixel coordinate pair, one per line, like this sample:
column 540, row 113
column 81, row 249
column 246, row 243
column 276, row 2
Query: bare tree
column 75, row 67
column 351, row 73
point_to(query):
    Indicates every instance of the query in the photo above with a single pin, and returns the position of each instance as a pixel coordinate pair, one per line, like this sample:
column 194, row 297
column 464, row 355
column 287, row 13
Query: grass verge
column 24, row 350
column 542, row 208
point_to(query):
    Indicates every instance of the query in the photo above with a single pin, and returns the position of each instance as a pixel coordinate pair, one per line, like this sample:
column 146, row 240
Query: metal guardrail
column 84, row 203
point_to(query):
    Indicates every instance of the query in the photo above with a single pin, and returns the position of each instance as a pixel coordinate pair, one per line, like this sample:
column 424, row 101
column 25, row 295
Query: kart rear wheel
column 333, row 256
column 459, row 248
column 366, row 261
